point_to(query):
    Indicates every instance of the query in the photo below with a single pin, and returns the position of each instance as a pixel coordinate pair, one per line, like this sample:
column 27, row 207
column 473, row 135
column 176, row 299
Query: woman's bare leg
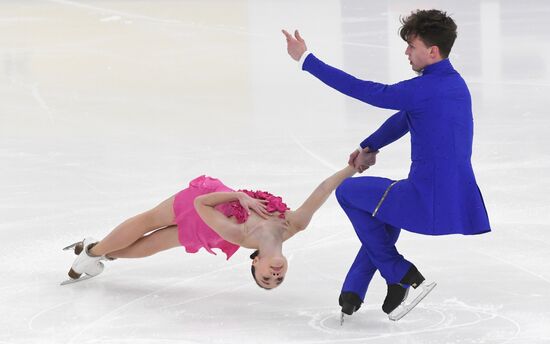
column 160, row 240
column 136, row 227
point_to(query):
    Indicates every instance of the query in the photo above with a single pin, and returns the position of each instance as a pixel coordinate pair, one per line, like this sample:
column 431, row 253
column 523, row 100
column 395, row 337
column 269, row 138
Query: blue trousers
column 377, row 252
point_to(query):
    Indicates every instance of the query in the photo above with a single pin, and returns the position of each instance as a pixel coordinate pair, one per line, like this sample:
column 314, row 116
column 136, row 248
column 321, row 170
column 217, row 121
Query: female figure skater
column 208, row 214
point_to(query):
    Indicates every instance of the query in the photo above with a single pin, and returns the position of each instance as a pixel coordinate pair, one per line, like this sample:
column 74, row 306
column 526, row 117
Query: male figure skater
column 440, row 195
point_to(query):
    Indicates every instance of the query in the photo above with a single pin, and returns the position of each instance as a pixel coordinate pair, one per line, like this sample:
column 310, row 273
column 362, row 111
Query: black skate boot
column 350, row 303
column 413, row 278
column 397, row 293
column 394, row 304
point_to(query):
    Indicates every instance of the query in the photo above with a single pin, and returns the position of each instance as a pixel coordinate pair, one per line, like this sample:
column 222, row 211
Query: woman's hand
column 362, row 160
column 256, row 205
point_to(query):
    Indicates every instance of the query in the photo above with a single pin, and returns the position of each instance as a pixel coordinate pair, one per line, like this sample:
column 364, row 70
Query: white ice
column 109, row 107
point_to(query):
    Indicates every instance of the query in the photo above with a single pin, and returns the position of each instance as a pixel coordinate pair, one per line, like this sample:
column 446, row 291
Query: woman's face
column 270, row 271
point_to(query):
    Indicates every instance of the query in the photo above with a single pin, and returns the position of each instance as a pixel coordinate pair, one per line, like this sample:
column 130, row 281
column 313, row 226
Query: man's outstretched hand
column 295, row 45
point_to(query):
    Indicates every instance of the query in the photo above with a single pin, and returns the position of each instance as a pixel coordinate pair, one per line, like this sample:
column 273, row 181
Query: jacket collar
column 438, row 67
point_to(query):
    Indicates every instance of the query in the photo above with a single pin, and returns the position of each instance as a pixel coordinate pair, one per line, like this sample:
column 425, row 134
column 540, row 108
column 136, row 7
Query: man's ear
column 434, row 52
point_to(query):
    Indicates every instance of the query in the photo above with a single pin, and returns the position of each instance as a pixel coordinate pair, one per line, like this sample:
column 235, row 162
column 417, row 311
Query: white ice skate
column 85, row 266
column 77, row 247
column 405, row 307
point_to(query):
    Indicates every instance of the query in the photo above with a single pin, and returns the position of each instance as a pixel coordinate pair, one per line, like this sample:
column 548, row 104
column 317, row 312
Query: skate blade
column 77, row 247
column 404, row 309
column 343, row 317
column 71, row 246
column 80, row 279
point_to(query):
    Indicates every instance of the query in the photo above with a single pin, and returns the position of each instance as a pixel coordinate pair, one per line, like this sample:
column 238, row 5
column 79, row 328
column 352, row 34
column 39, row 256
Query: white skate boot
column 77, row 247
column 84, row 264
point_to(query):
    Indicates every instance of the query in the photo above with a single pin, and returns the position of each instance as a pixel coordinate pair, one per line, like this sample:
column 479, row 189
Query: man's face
column 419, row 54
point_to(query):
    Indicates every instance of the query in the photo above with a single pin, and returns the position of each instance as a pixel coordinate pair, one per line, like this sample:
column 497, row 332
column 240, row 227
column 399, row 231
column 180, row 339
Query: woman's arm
column 302, row 216
column 204, row 205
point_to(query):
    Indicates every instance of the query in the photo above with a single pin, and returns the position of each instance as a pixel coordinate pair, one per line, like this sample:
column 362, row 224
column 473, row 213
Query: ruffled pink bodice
column 274, row 203
column 194, row 233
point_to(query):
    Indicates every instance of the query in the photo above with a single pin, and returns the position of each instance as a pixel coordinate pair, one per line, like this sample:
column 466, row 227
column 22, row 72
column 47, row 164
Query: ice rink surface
column 109, row 107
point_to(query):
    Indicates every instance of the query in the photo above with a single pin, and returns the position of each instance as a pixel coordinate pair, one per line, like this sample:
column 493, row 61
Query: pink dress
column 193, row 233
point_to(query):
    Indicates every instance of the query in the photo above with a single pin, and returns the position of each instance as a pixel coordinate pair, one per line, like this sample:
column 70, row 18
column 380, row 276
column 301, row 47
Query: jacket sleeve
column 393, row 129
column 398, row 96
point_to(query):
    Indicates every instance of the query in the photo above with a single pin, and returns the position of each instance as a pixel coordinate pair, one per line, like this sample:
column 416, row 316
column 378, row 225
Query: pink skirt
column 193, row 233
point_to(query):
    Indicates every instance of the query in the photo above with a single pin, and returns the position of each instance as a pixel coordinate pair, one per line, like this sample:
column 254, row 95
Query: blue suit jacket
column 440, row 195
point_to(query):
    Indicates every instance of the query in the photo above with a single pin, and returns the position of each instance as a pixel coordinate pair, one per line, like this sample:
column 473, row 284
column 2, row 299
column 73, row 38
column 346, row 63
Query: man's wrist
column 367, row 148
column 303, row 58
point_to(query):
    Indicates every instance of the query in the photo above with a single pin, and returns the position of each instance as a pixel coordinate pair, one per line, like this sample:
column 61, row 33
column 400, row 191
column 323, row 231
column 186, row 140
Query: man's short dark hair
column 433, row 27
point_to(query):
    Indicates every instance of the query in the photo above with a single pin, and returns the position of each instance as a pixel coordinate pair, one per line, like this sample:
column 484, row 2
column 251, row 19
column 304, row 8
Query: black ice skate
column 394, row 303
column 394, row 297
column 350, row 303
